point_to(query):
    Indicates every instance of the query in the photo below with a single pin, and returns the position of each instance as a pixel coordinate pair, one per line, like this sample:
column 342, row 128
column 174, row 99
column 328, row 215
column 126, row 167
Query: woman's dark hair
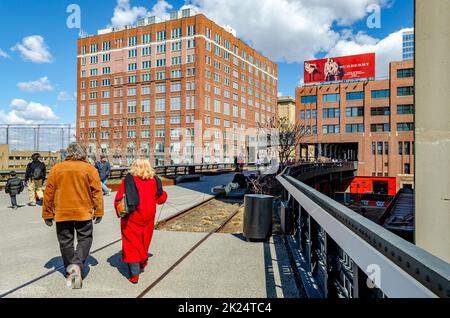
column 35, row 156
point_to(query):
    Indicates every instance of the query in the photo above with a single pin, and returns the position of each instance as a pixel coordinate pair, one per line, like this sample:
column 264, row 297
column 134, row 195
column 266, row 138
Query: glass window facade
column 309, row 99
column 405, row 91
column 329, row 98
column 382, row 93
column 355, row 95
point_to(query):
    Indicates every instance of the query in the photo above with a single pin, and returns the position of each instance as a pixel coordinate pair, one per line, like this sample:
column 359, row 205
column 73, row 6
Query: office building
column 408, row 45
column 149, row 90
column 370, row 121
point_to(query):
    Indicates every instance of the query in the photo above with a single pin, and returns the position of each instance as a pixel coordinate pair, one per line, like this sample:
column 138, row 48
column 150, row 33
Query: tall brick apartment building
column 369, row 121
column 148, row 90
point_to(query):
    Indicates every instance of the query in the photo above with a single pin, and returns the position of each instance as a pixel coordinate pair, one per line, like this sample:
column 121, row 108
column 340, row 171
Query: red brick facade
column 218, row 81
column 385, row 105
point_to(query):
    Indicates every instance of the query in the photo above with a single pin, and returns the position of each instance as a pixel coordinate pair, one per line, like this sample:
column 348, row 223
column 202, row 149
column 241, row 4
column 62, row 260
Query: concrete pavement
column 223, row 266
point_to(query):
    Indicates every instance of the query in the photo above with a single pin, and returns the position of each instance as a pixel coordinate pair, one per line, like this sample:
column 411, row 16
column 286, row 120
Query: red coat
column 137, row 228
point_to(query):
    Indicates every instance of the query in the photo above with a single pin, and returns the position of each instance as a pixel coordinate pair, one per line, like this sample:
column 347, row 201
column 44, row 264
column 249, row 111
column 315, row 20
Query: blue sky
column 287, row 31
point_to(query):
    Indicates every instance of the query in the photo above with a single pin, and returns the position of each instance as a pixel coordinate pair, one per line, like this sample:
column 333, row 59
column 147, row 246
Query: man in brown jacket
column 73, row 198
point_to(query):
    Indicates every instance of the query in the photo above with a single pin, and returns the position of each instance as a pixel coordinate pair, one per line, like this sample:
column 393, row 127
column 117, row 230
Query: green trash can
column 258, row 209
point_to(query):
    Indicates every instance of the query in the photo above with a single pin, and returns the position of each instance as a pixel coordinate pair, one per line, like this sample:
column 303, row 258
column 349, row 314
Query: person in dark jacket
column 104, row 168
column 34, row 179
column 13, row 187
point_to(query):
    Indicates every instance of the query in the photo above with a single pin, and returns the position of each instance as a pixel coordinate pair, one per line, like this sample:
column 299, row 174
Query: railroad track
column 158, row 225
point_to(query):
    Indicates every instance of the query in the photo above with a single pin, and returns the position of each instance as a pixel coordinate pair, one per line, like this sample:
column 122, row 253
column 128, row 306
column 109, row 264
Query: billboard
column 340, row 68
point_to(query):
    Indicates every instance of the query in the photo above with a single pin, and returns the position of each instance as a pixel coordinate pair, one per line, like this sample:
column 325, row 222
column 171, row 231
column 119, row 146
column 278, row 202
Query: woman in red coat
column 137, row 227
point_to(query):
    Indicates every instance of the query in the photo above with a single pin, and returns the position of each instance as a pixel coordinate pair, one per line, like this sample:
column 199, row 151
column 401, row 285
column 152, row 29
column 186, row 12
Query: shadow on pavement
column 281, row 260
column 57, row 263
column 116, row 261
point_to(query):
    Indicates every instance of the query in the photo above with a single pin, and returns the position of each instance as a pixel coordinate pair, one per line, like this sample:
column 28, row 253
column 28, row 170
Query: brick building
column 369, row 121
column 148, row 90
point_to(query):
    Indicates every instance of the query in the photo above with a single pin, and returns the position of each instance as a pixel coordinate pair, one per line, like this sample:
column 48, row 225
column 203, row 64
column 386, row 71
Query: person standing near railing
column 13, row 187
column 104, row 169
column 34, row 179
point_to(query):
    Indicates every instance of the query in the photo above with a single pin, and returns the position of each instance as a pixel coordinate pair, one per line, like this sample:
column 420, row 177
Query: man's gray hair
column 76, row 151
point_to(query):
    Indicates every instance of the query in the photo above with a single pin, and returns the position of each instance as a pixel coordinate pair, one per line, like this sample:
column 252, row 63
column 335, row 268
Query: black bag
column 37, row 172
column 159, row 187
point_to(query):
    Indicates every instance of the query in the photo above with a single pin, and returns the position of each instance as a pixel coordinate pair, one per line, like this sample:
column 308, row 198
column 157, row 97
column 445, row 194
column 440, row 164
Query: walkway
column 225, row 265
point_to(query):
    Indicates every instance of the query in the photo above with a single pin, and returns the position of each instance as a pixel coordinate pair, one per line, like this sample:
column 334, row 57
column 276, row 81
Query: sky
column 38, row 49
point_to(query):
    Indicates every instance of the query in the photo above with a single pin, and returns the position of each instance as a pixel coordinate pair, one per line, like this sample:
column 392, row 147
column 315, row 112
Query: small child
column 14, row 186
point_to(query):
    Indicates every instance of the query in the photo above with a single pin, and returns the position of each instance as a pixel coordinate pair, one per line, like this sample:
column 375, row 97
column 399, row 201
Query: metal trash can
column 258, row 210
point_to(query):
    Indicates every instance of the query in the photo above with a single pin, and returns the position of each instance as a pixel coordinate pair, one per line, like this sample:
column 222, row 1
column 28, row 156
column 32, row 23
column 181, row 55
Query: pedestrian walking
column 34, row 179
column 138, row 195
column 104, row 168
column 13, row 187
column 73, row 199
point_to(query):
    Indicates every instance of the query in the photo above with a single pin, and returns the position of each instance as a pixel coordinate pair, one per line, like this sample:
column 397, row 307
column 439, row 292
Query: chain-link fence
column 38, row 137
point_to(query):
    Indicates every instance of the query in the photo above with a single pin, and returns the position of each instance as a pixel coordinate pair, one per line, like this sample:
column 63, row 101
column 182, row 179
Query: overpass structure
column 339, row 253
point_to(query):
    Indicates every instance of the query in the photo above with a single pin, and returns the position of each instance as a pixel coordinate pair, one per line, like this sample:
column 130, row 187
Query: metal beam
column 367, row 243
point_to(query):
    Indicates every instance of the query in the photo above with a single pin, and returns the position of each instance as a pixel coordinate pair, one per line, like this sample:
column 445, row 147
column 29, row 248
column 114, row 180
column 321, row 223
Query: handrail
column 164, row 170
column 432, row 273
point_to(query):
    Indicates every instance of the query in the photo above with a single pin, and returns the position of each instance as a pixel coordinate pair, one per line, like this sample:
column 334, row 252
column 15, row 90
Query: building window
column 354, row 111
column 354, row 128
column 175, row 103
column 160, row 88
column 145, row 105
column 379, row 127
column 406, row 72
column 330, row 98
column 131, row 109
column 386, row 147
column 330, row 129
column 160, row 104
column 405, row 91
column 400, row 148
column 407, row 149
column 380, row 148
column 405, row 126
column 380, row 111
column 405, row 109
column 311, row 99
column 330, row 113
column 132, row 53
column 175, row 87
column 407, row 168
column 160, row 120
column 355, row 95
column 382, row 93
column 374, row 146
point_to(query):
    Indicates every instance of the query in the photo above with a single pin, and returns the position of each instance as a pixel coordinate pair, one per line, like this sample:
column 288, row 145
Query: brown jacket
column 73, row 192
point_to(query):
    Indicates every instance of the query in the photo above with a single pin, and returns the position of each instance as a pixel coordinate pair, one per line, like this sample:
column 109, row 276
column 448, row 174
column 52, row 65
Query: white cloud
column 286, row 30
column 42, row 84
column 161, row 9
column 3, row 54
column 124, row 14
column 33, row 48
column 64, row 96
column 23, row 112
column 386, row 50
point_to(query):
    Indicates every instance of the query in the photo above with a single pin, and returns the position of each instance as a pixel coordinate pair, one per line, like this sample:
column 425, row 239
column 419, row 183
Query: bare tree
column 285, row 136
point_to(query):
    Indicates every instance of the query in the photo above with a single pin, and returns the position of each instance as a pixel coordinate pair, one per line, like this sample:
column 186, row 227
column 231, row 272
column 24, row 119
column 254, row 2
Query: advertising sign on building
column 340, row 68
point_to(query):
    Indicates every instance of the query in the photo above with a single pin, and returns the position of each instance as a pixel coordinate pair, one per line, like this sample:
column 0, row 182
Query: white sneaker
column 74, row 279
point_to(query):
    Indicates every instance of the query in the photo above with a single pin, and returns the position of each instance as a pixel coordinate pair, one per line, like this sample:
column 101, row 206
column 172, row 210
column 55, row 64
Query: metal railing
column 170, row 170
column 304, row 171
column 176, row 170
column 325, row 234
